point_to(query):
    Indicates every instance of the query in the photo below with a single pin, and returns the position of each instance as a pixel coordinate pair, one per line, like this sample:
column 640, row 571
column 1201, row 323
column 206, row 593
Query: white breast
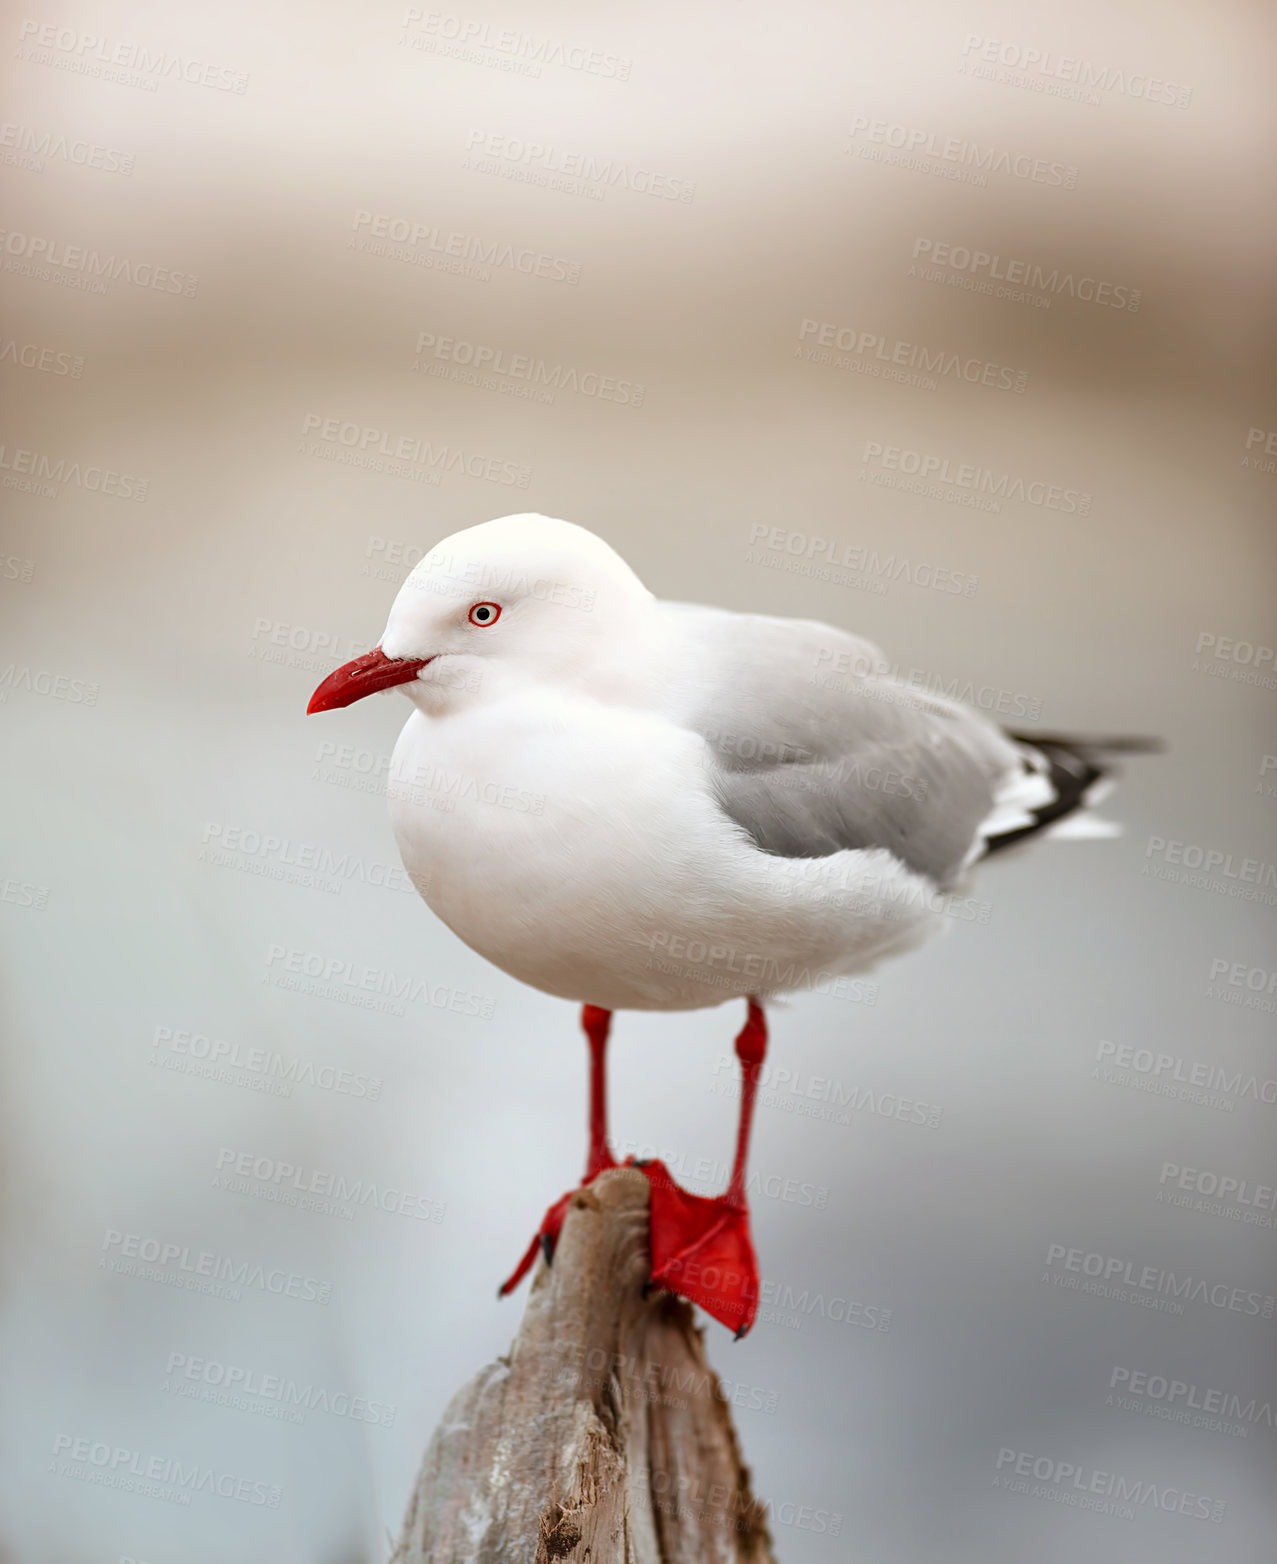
column 544, row 833
column 576, row 846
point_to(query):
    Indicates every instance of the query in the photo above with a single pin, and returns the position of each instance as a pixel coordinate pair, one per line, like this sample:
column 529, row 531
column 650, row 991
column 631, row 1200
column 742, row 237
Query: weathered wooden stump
column 603, row 1436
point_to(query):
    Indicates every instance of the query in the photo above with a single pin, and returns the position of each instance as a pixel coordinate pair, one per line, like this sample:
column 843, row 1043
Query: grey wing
column 815, row 748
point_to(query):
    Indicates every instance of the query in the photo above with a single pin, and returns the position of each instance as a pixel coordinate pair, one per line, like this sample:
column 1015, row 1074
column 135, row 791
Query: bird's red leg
column 751, row 1049
column 702, row 1249
column 596, row 1023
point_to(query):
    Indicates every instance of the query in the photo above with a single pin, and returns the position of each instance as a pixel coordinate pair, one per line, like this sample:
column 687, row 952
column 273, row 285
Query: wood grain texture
column 603, row 1436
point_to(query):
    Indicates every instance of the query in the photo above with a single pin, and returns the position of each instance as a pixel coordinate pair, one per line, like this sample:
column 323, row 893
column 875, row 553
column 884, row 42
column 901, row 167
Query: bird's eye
column 485, row 614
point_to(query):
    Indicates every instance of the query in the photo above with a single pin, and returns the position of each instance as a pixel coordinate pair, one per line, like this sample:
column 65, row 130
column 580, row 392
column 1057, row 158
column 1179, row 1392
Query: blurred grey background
column 226, row 230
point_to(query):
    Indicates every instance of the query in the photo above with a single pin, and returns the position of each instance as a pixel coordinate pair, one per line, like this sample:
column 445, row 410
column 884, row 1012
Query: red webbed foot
column 702, row 1250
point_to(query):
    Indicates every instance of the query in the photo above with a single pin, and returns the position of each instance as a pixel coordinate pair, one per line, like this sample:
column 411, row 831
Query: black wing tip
column 1075, row 764
column 1098, row 744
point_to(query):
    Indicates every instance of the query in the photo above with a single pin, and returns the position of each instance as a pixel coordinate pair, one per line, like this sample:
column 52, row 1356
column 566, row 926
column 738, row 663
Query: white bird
column 662, row 806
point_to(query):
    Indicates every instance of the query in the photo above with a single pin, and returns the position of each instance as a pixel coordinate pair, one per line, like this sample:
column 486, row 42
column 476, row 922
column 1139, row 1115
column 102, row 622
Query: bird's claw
column 543, row 1244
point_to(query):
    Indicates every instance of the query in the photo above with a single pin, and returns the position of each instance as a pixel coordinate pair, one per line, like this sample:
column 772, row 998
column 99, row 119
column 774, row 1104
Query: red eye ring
column 483, row 624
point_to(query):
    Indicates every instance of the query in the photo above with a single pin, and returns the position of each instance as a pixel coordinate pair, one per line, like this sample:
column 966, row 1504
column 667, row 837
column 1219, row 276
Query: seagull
column 662, row 806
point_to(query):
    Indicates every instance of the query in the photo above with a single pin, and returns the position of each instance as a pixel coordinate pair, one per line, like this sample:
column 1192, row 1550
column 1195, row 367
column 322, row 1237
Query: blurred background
column 947, row 325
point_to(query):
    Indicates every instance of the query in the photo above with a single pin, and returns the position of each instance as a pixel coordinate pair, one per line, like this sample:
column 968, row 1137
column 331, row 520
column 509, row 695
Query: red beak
column 367, row 674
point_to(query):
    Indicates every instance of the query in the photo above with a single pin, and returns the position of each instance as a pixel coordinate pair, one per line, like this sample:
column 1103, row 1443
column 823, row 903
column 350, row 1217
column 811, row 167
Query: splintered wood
column 604, row 1436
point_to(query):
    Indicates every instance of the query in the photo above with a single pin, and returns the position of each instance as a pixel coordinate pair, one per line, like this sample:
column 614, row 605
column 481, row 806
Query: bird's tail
column 1077, row 773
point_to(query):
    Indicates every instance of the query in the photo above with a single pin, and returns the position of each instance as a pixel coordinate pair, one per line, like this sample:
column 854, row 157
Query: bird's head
column 521, row 600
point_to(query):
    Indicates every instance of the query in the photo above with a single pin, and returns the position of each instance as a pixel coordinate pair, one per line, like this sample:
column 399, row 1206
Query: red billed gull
column 662, row 806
